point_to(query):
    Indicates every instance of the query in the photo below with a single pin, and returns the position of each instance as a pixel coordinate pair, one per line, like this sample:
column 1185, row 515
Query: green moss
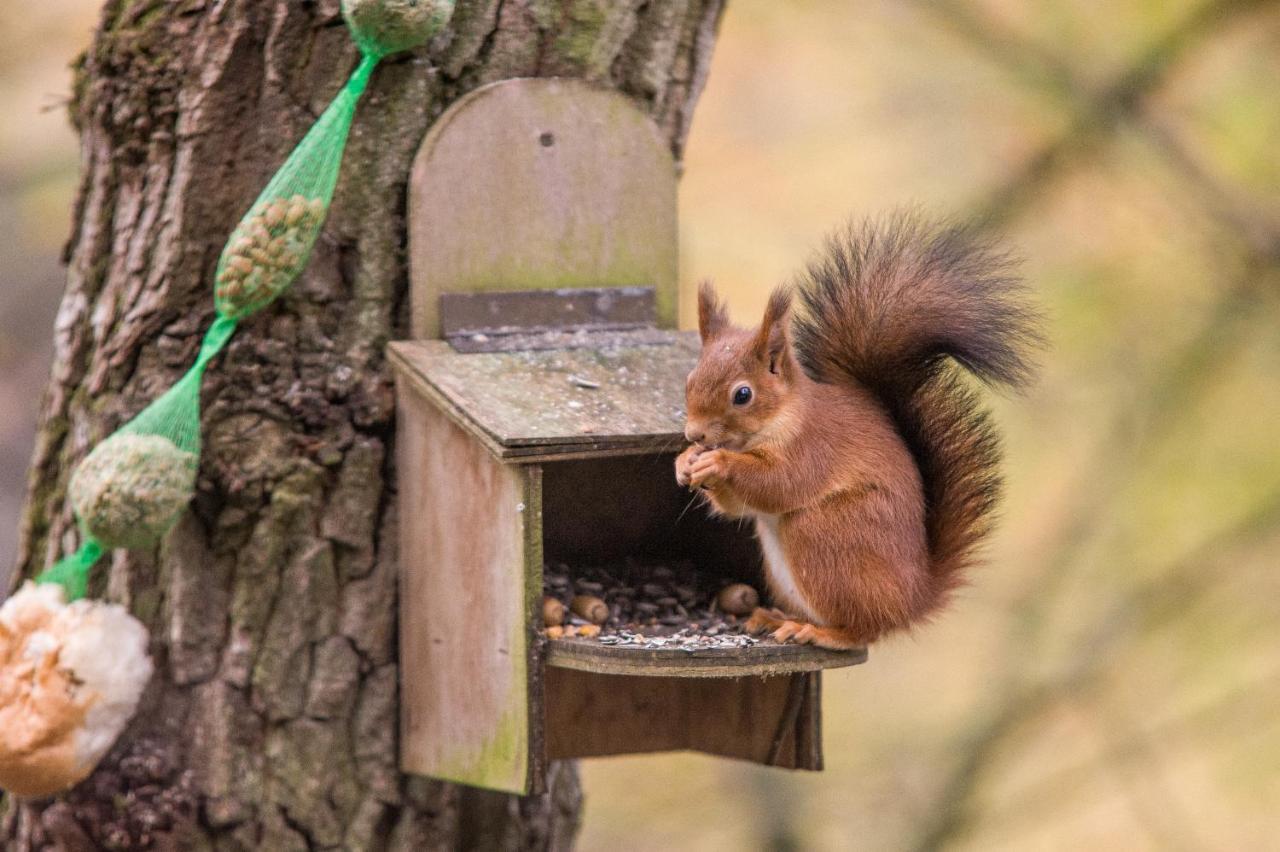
column 146, row 605
column 150, row 14
column 501, row 760
column 576, row 43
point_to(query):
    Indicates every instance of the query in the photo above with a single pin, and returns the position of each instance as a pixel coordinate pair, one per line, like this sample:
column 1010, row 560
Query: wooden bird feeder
column 540, row 408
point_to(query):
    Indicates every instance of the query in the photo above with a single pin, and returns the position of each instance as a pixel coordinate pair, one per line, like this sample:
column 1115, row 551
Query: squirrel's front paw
column 684, row 464
column 709, row 469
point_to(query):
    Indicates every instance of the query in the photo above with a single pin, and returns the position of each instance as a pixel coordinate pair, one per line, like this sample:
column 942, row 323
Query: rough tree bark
column 271, row 721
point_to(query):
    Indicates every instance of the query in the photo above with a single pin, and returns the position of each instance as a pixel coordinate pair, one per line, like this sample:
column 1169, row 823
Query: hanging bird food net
column 133, row 486
column 63, row 699
column 273, row 242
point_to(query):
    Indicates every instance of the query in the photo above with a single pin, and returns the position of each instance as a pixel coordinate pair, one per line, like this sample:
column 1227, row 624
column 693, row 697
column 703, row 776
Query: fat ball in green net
column 381, row 27
column 130, row 489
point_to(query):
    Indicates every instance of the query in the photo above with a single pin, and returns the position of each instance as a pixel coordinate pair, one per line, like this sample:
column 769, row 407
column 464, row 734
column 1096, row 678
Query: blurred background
column 1112, row 679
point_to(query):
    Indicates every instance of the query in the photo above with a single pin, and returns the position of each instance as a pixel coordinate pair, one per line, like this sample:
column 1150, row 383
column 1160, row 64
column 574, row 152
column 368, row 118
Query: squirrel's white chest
column 778, row 566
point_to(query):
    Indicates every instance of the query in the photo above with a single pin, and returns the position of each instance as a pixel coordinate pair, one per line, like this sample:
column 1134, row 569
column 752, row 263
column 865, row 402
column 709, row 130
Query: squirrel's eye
column 742, row 395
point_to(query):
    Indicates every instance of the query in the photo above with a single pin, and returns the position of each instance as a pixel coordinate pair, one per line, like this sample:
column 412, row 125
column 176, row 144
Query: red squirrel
column 847, row 432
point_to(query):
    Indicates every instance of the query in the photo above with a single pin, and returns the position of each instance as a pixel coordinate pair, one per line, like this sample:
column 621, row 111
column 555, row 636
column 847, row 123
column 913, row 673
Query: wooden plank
column 542, row 402
column 540, row 184
column 572, row 339
column 808, row 730
column 764, row 659
column 470, row 575
column 531, row 515
column 572, row 452
column 503, row 322
column 768, row 720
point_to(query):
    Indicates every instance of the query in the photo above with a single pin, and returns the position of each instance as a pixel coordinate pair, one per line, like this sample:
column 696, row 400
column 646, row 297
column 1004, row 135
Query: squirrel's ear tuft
column 713, row 318
column 773, row 338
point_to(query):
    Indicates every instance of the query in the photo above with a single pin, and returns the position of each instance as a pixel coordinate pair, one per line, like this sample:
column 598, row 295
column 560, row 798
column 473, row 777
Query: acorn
column 738, row 599
column 591, row 608
column 552, row 612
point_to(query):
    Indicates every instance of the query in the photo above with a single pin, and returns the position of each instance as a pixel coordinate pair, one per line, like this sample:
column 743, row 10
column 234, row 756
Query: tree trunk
column 271, row 721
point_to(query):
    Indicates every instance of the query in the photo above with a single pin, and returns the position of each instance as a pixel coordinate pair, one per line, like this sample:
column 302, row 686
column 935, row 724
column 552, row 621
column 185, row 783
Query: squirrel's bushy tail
column 892, row 305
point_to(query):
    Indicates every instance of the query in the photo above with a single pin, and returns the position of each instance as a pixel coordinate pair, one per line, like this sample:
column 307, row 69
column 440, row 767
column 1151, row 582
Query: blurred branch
column 1019, row 57
column 950, row 816
column 1183, row 580
column 1138, row 764
column 1096, row 116
column 1259, row 231
column 1186, row 375
column 1182, row 378
column 1247, row 703
column 1165, row 596
column 777, row 812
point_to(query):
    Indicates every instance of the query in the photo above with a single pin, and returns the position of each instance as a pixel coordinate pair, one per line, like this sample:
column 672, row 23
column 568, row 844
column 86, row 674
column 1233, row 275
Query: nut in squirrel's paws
column 708, row 470
column 684, row 464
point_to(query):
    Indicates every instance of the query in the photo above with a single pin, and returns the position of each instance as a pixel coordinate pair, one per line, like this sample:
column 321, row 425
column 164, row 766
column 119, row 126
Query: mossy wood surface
column 470, row 560
column 541, row 184
column 540, row 404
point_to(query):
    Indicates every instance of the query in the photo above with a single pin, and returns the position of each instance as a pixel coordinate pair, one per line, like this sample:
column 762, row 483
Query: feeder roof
column 612, row 397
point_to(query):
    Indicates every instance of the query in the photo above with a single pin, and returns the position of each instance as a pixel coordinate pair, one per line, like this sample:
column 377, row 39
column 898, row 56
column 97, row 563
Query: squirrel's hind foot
column 782, row 628
column 765, row 621
column 830, row 638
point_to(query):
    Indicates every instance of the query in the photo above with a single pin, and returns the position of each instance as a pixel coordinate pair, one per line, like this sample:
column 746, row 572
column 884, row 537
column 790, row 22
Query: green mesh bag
column 133, row 486
column 271, row 245
column 273, row 242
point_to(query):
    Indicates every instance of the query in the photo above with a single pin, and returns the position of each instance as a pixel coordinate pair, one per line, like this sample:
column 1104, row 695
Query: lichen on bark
column 272, row 602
